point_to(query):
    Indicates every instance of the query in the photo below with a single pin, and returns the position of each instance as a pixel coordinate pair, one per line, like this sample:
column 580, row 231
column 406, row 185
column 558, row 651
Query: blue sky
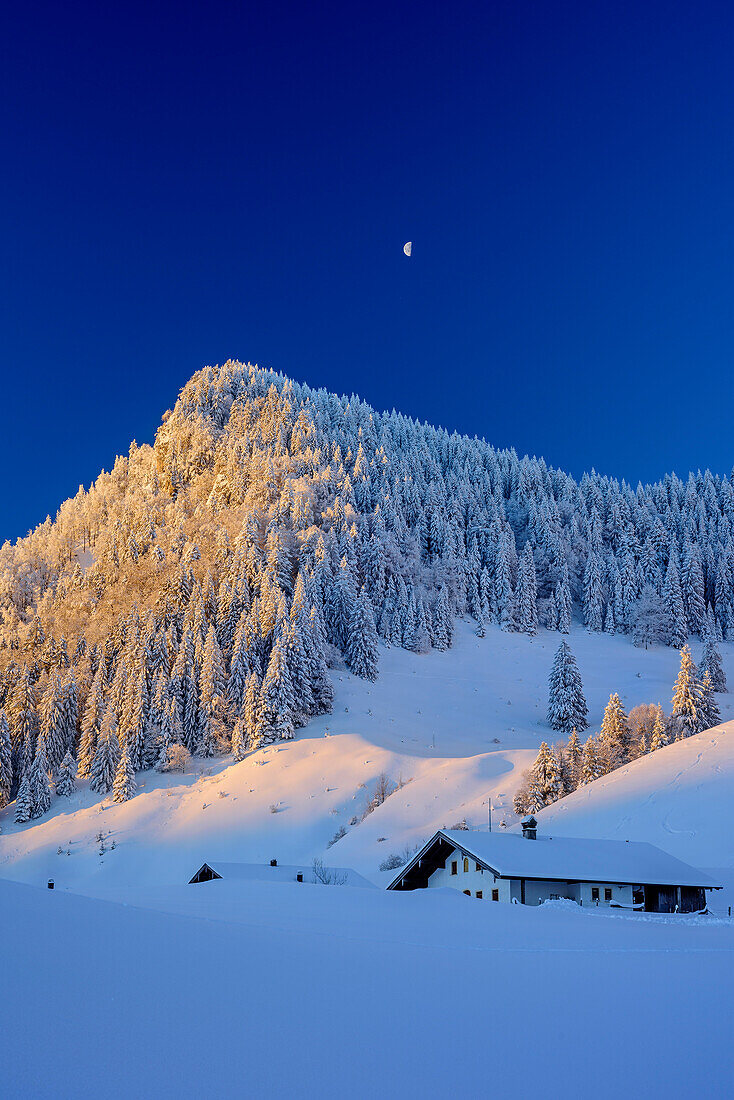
column 190, row 183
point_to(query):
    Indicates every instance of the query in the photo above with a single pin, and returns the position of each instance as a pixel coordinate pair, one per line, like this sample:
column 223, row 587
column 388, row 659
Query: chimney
column 529, row 828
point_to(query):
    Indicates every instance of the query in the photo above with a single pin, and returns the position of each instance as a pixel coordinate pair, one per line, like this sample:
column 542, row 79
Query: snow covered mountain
column 206, row 599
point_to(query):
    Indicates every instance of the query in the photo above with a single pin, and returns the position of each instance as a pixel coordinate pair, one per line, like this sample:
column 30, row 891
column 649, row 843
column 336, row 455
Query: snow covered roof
column 564, row 859
column 263, row 872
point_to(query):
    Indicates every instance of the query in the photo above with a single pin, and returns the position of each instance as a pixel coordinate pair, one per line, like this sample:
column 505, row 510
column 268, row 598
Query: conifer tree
column 544, row 779
column 252, row 736
column 363, row 654
column 659, row 737
column 527, row 593
column 709, row 715
column 593, row 597
column 711, row 663
column 441, row 622
column 66, row 779
column 567, row 709
column 563, row 604
column 592, row 763
column 106, row 756
column 213, row 676
column 615, row 737
column 93, row 715
column 609, row 623
column 239, row 739
column 40, row 787
column 6, row 761
column 574, row 753
column 53, row 721
column 673, row 600
column 23, row 802
column 276, row 700
column 687, row 695
column 124, row 786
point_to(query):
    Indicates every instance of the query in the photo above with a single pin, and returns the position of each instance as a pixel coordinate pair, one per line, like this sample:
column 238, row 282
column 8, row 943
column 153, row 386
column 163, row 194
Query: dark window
column 479, row 893
column 466, row 864
column 454, row 866
column 478, row 867
column 607, row 893
column 594, row 893
column 468, row 893
column 495, row 895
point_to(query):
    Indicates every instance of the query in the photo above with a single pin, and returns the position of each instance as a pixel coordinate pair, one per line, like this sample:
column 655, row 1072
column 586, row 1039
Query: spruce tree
column 574, row 753
column 592, row 763
column 276, row 699
column 615, row 737
column 40, row 787
column 23, row 804
column 106, row 756
column 567, row 709
column 53, row 720
column 124, row 786
column 709, row 715
column 6, row 761
column 66, row 779
column 527, row 594
column 711, row 663
column 441, row 622
column 593, row 597
column 363, row 653
column 659, row 737
column 687, row 695
column 673, row 601
column 252, row 735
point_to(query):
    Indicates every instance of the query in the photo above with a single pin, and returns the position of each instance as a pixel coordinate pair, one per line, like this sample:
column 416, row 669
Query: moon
column 408, row 248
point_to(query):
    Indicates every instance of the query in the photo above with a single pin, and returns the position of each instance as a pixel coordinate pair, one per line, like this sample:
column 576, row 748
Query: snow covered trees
column 124, row 786
column 615, row 738
column 6, row 761
column 687, row 695
column 23, row 802
column 711, row 663
column 567, row 709
column 106, row 757
column 527, row 593
column 66, row 779
column 362, row 645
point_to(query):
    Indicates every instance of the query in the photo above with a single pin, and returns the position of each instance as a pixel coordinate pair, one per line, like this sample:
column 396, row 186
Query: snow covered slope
column 680, row 798
column 459, row 725
column 228, row 989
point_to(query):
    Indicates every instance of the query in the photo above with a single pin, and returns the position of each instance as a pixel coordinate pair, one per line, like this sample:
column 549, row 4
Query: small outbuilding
column 529, row 870
column 278, row 872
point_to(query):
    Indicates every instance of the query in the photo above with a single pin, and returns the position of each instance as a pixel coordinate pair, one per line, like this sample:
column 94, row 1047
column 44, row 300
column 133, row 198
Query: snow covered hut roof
column 263, row 872
column 563, row 859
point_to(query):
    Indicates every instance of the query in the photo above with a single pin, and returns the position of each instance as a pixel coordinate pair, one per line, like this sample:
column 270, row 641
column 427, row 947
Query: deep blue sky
column 188, row 183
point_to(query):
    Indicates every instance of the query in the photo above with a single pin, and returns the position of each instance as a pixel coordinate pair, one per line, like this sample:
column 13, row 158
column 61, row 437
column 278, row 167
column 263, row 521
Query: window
column 454, row 866
column 594, row 893
column 479, row 893
column 495, row 895
column 466, row 864
column 479, row 867
column 468, row 893
column 607, row 893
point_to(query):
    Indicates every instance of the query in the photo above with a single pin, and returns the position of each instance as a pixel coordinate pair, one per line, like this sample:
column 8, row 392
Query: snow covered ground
column 229, row 989
column 459, row 726
column 127, row 981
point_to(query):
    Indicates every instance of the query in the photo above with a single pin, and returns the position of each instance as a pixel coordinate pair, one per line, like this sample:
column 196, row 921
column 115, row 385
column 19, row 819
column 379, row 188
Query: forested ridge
column 195, row 597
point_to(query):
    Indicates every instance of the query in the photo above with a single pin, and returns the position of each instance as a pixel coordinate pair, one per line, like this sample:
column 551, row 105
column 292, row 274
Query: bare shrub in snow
column 340, row 832
column 327, row 876
column 273, row 807
column 178, row 760
column 392, row 862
